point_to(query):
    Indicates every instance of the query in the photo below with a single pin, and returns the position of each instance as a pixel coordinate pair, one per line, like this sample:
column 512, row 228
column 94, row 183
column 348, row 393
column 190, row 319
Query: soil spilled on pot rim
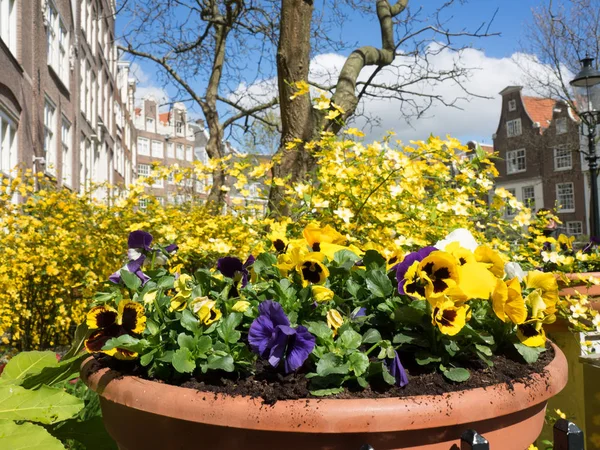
column 272, row 385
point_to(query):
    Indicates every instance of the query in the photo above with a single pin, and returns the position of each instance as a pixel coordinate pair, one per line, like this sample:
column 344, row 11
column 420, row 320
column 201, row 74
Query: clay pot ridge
column 328, row 415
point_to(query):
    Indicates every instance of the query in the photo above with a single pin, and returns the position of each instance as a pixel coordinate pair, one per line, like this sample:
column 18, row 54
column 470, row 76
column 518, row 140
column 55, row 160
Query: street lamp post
column 586, row 87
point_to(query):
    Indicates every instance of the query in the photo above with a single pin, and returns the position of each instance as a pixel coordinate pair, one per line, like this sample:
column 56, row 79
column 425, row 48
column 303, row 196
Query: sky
column 497, row 61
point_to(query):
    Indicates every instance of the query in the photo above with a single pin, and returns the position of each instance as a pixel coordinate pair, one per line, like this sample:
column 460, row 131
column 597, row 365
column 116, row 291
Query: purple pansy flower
column 233, row 268
column 594, row 241
column 272, row 337
column 407, row 262
column 359, row 312
column 397, row 370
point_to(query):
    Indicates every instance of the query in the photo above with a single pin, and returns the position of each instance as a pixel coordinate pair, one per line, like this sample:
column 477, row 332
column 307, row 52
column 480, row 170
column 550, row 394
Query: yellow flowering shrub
column 58, row 246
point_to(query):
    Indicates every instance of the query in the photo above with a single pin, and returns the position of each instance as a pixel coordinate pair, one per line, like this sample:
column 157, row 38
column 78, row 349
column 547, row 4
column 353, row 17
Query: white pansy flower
column 460, row 235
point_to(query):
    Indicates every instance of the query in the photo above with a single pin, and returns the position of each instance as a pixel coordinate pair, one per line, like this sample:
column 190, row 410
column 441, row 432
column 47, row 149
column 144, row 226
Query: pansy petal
column 229, row 265
column 139, row 239
column 396, row 369
column 171, row 248
column 300, row 345
column 133, row 316
column 115, row 277
column 98, row 338
column 135, row 264
column 260, row 334
column 101, row 317
column 274, row 312
column 279, row 343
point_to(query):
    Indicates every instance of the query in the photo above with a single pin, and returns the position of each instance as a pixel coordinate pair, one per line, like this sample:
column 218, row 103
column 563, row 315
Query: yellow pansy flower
column 206, row 310
column 449, row 317
column 240, row 306
column 507, row 301
column 321, row 294
column 334, row 320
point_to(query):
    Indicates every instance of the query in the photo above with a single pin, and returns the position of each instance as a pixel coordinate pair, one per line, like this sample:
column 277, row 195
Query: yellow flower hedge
column 58, row 246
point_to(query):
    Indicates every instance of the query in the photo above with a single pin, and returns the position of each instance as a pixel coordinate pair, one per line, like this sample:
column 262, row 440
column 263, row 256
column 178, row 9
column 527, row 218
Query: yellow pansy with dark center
column 313, row 271
column 316, row 235
column 206, row 310
column 507, row 301
column 449, row 318
column 110, row 323
column 531, row 334
column 414, row 286
column 279, row 245
column 485, row 254
column 440, row 271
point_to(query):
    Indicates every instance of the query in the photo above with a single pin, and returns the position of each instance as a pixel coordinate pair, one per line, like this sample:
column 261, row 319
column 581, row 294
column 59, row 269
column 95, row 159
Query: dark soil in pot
column 272, row 385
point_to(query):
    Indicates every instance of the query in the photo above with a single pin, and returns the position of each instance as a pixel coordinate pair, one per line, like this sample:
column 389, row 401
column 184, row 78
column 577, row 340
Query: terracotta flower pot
column 141, row 414
column 576, row 284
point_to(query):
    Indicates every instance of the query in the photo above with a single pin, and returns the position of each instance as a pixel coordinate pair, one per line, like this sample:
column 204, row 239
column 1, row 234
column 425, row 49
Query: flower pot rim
column 328, row 415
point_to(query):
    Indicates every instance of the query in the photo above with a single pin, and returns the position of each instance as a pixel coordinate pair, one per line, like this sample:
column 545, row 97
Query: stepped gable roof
column 539, row 109
column 164, row 117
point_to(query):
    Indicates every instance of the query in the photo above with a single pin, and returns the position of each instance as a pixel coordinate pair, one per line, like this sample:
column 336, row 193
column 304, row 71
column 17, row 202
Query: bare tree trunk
column 297, row 120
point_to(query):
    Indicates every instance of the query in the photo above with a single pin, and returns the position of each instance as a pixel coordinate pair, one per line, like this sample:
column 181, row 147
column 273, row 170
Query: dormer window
column 512, row 105
column 149, row 124
column 179, row 127
column 513, row 128
column 561, row 125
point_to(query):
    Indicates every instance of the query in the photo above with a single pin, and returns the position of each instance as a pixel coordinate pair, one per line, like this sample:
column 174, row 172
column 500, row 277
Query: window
column 515, row 161
column 179, row 128
column 561, row 125
column 143, row 203
column 67, row 157
column 562, row 158
column 574, row 228
column 143, row 170
column 512, row 105
column 8, row 143
column 565, row 197
column 143, row 146
column 8, row 24
column 170, row 150
column 149, row 124
column 170, row 178
column 510, row 211
column 189, row 153
column 157, row 149
column 58, row 44
column 180, row 154
column 513, row 128
column 49, row 141
column 528, row 196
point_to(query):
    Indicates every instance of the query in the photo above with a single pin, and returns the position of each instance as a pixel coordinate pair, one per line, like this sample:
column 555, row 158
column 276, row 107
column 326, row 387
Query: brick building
column 65, row 101
column 538, row 143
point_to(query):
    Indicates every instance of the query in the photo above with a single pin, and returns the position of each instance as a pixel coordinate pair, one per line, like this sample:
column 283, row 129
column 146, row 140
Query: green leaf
column 131, row 280
column 264, row 263
column 424, row 358
column 379, row 284
column 189, row 321
column 451, row 347
column 126, row 342
column 362, row 382
column 359, row 363
column 387, row 376
column 371, row 336
column 227, row 327
column 186, row 341
column 27, row 363
column 152, row 327
column 204, row 344
column 183, row 361
column 221, row 362
column 320, row 330
column 350, row 339
column 147, row 358
column 402, row 338
column 66, row 369
column 529, row 354
column 91, row 433
column 484, row 349
column 27, row 436
column 166, row 282
column 77, row 344
column 457, row 374
column 325, row 392
column 331, row 363
column 45, row 405
column 372, row 260
column 352, row 287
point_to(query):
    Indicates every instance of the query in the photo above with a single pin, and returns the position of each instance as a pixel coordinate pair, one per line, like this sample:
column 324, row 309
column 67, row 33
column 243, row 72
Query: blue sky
column 493, row 60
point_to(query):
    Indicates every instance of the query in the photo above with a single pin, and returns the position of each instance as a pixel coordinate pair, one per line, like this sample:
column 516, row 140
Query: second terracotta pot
column 145, row 415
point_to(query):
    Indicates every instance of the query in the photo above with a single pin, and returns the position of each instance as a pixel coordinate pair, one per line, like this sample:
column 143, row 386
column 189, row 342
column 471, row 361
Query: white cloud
column 477, row 119
column 145, row 85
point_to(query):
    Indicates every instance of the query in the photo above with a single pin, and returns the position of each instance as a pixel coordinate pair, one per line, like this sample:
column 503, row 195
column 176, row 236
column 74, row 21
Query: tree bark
column 297, row 120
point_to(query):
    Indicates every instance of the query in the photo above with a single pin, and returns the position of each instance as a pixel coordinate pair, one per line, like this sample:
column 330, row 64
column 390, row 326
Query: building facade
column 66, row 103
column 540, row 163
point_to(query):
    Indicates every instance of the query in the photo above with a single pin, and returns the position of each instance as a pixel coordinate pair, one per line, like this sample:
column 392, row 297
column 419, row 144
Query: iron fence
column 567, row 436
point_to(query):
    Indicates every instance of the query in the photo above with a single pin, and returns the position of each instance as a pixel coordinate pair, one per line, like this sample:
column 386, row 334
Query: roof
column 164, row 117
column 539, row 109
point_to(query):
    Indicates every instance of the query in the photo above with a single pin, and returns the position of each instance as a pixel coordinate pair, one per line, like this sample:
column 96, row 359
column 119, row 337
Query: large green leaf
column 91, row 433
column 65, row 370
column 45, row 405
column 27, row 436
column 26, row 363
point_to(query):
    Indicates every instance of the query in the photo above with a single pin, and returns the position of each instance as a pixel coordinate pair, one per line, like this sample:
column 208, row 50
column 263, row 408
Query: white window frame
column 50, row 136
column 528, row 200
column 143, row 170
column 67, row 155
column 143, row 146
column 560, row 125
column 180, row 152
column 565, row 206
column 150, row 124
column 8, row 143
column 510, row 212
column 574, row 224
column 143, row 203
column 514, row 128
column 158, row 149
column 58, row 44
column 512, row 105
column 8, row 24
column 189, row 153
column 563, row 158
column 170, row 150
column 513, row 160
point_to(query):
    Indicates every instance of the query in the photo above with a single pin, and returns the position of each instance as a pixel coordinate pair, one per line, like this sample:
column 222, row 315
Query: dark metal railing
column 567, row 436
